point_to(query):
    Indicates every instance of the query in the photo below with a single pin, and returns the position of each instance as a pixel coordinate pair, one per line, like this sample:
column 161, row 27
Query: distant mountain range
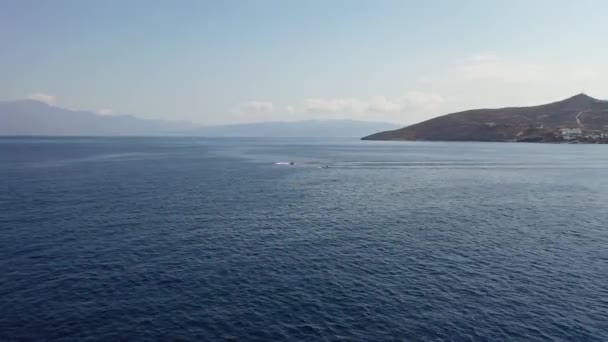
column 309, row 129
column 585, row 117
column 29, row 117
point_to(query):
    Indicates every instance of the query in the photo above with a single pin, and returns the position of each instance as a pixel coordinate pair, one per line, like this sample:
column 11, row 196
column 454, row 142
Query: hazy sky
column 242, row 61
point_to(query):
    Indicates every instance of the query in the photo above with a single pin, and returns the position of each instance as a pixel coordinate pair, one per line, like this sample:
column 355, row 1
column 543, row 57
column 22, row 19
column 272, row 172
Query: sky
column 224, row 61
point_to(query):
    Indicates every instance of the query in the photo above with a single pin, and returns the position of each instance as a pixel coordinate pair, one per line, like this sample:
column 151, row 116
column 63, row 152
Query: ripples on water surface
column 138, row 239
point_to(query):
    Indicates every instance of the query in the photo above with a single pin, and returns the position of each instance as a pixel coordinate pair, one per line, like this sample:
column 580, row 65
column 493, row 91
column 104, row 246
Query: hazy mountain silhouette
column 508, row 124
column 29, row 117
column 304, row 129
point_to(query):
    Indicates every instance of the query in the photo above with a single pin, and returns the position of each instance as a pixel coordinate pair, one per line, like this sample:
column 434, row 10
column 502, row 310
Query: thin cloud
column 411, row 101
column 424, row 102
column 383, row 104
column 45, row 98
column 260, row 106
column 409, row 107
column 256, row 109
column 105, row 111
column 336, row 105
column 493, row 68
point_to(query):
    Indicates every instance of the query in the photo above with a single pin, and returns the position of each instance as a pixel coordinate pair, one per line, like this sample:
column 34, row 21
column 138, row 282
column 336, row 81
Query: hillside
column 537, row 123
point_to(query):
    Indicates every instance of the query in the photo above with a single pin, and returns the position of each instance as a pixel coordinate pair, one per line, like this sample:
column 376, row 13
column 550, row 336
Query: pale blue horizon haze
column 250, row 61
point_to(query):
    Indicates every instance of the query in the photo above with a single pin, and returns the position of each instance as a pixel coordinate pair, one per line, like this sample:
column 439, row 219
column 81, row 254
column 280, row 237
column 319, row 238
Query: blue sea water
column 208, row 239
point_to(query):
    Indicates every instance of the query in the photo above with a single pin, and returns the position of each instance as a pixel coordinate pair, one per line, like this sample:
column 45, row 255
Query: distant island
column 579, row 119
column 35, row 118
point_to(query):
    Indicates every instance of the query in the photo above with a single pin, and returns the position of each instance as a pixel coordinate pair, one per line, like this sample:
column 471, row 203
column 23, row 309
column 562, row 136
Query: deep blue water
column 163, row 239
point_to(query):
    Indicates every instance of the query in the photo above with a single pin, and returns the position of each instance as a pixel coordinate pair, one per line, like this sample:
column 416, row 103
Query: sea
column 194, row 239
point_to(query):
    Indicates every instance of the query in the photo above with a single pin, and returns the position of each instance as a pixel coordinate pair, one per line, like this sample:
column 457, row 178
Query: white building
column 570, row 131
